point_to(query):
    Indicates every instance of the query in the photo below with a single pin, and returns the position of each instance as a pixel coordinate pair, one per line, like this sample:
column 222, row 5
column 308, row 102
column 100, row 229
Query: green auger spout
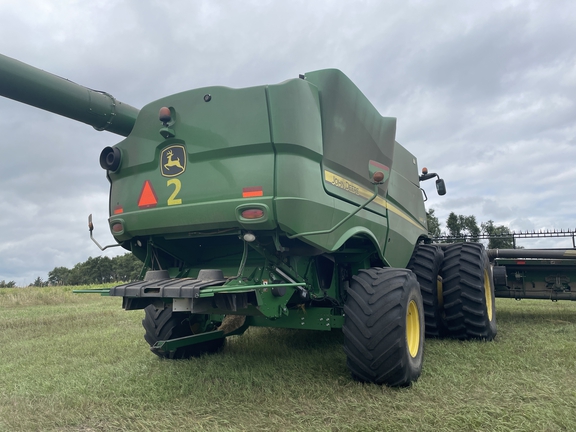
column 49, row 92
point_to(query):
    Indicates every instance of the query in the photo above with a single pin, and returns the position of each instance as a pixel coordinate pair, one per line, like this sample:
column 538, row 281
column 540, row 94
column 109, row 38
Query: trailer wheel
column 164, row 324
column 384, row 327
column 426, row 263
column 468, row 291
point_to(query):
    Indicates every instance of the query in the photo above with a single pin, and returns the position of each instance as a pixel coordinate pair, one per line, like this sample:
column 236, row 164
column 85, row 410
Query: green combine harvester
column 288, row 205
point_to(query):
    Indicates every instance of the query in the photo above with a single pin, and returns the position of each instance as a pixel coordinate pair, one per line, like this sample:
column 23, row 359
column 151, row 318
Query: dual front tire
column 457, row 287
column 468, row 292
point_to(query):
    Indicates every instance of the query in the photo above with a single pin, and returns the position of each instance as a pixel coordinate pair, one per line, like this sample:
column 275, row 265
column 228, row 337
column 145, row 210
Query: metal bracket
column 173, row 344
column 91, row 228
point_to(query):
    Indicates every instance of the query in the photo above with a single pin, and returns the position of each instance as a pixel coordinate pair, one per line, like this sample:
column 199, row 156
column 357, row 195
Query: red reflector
column 117, row 227
column 147, row 196
column 255, row 191
column 118, row 210
column 252, row 213
column 520, row 262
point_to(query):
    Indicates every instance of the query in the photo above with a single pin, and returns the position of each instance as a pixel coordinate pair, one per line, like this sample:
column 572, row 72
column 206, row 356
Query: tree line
column 97, row 270
column 465, row 228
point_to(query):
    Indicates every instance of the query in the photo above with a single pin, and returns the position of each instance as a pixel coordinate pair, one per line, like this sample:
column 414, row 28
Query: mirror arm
column 428, row 176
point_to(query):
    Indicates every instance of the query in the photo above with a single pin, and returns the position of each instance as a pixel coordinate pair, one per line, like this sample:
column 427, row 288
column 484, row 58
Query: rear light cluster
column 249, row 211
column 252, row 213
column 117, row 227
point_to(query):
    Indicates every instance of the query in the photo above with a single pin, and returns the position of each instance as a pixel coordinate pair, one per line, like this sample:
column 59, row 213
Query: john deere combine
column 287, row 205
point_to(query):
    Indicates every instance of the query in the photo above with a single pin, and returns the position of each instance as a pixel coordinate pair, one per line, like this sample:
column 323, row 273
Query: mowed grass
column 78, row 362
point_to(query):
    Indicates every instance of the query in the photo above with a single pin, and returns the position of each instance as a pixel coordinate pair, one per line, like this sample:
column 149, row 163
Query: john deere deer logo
column 173, row 161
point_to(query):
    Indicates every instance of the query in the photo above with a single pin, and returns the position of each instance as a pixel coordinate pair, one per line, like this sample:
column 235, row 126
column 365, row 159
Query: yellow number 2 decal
column 177, row 186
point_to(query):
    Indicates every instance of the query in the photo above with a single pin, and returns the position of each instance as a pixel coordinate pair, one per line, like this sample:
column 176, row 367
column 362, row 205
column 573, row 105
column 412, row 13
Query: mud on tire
column 164, row 324
column 384, row 327
column 426, row 263
column 468, row 292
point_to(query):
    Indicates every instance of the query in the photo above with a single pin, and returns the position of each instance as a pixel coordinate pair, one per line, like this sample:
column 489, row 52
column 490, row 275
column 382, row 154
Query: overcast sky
column 483, row 92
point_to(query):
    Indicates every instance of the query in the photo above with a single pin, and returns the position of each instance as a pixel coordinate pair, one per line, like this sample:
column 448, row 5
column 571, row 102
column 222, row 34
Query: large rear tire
column 384, row 327
column 426, row 263
column 165, row 324
column 468, row 292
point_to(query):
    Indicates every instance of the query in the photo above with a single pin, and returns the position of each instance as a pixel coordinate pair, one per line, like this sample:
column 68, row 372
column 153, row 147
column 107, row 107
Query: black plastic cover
column 164, row 288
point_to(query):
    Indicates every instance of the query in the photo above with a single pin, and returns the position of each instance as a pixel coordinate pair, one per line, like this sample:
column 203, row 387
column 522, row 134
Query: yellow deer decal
column 171, row 162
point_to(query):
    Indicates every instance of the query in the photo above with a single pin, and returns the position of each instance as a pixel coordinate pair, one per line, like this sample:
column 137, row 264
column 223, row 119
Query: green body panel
column 312, row 319
column 407, row 213
column 228, row 148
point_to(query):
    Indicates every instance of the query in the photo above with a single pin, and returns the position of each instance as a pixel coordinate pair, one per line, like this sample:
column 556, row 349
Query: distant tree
column 433, row 223
column 126, row 268
column 59, row 276
column 122, row 268
column 97, row 270
column 38, row 282
column 9, row 284
column 465, row 228
column 495, row 231
column 76, row 276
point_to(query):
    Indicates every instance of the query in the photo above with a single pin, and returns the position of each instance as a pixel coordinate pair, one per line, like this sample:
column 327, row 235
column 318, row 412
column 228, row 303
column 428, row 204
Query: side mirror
column 440, row 187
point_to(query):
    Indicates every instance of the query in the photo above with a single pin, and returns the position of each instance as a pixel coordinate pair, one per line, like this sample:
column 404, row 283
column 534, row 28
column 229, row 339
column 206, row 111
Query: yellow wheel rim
column 439, row 292
column 413, row 329
column 488, row 294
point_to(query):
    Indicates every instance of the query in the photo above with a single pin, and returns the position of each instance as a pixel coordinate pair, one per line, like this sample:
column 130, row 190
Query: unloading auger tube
column 49, row 92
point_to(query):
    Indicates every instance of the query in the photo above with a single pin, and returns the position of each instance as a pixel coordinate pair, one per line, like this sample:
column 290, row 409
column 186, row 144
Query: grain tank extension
column 287, row 205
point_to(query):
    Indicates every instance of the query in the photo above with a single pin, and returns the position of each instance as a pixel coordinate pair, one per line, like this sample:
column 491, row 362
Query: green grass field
column 73, row 362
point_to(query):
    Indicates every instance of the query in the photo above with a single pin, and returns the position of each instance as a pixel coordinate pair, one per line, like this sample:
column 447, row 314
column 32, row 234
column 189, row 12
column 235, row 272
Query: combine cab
column 287, row 205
